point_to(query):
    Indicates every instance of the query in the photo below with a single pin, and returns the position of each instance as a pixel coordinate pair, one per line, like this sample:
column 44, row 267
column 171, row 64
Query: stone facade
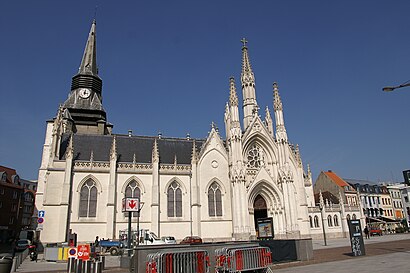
column 215, row 187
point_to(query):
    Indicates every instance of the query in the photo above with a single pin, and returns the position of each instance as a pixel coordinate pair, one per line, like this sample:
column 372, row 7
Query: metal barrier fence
column 174, row 261
column 241, row 259
column 79, row 266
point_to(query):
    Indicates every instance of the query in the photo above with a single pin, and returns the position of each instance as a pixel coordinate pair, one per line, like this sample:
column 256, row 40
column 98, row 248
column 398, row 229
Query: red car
column 375, row 231
column 191, row 240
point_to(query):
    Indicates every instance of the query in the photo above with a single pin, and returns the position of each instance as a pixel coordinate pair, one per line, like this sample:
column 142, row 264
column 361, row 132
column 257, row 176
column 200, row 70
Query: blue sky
column 166, row 65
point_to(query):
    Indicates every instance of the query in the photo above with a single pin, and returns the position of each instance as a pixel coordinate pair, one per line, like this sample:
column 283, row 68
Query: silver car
column 169, row 239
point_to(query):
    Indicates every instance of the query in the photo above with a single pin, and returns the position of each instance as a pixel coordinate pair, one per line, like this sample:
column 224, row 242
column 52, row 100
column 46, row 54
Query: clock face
column 84, row 93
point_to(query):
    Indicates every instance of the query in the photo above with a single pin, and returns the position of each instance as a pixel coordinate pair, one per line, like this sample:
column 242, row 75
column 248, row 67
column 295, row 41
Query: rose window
column 255, row 157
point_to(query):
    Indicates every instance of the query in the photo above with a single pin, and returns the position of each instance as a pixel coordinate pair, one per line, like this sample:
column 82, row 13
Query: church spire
column 89, row 62
column 247, row 76
column 87, row 76
column 250, row 107
column 281, row 134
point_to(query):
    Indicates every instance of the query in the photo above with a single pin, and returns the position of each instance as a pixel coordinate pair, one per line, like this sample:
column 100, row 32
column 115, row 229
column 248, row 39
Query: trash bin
column 6, row 264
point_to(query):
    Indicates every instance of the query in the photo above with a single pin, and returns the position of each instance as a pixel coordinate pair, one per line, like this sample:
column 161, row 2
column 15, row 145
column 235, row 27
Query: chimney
column 130, row 133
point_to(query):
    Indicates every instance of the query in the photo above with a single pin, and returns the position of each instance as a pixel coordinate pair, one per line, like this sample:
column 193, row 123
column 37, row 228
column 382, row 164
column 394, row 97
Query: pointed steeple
column 85, row 99
column 281, row 134
column 247, row 76
column 250, row 106
column 89, row 62
column 87, row 76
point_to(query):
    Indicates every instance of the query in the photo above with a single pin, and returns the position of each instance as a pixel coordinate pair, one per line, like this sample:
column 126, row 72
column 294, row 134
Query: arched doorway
column 260, row 209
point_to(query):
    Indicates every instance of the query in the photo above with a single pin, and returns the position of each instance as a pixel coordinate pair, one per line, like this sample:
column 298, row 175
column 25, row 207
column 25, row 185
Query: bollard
column 97, row 267
column 87, row 266
column 71, row 265
column 79, row 268
column 102, row 259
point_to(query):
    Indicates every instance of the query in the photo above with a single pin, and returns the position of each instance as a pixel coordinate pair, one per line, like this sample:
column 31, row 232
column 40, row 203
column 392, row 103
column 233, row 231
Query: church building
column 215, row 187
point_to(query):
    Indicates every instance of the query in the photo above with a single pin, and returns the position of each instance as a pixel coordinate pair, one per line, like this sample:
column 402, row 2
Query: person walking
column 366, row 232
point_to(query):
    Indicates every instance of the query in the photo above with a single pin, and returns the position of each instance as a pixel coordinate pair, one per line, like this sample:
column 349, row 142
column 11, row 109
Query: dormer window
column 3, row 176
column 15, row 179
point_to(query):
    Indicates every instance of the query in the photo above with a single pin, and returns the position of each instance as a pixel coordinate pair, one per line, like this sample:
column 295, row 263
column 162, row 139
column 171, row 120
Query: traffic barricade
column 241, row 259
column 174, row 261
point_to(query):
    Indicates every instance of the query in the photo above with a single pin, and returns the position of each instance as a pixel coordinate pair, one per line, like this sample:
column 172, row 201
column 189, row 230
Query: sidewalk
column 383, row 254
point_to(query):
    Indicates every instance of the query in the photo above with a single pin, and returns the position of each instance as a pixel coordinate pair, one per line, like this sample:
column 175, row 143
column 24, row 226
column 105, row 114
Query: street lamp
column 138, row 221
column 391, row 88
column 323, row 223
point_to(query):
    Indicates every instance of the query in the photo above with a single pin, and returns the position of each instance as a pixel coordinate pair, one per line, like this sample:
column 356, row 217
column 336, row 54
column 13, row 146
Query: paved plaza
column 389, row 253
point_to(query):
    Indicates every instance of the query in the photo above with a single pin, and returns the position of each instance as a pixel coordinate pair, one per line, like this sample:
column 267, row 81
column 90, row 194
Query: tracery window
column 329, row 221
column 336, row 220
column 88, row 199
column 133, row 191
column 214, row 200
column 255, row 157
column 354, row 216
column 316, row 220
column 311, row 221
column 174, row 200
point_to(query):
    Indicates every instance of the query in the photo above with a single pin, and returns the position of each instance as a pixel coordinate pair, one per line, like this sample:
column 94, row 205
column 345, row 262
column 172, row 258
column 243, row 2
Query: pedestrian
column 366, row 232
column 96, row 242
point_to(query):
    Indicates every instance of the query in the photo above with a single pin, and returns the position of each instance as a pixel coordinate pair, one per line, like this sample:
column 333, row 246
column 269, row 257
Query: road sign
column 41, row 213
column 72, row 252
column 130, row 204
column 40, row 220
column 83, row 252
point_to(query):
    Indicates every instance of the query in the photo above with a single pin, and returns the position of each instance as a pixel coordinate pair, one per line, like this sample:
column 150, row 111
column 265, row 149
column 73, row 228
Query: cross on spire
column 244, row 41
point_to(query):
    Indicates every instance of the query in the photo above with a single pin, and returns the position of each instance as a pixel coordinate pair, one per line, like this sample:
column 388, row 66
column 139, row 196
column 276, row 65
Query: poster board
column 265, row 228
column 356, row 238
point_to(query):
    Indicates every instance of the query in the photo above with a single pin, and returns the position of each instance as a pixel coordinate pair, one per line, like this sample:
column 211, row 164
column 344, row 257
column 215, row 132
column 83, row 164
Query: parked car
column 168, row 239
column 191, row 240
column 375, row 231
column 22, row 244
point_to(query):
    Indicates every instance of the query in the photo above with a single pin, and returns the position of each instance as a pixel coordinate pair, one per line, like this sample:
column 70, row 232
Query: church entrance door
column 260, row 209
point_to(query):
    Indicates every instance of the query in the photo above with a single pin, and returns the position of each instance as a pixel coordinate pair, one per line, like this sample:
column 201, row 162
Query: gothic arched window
column 214, row 200
column 255, row 157
column 329, row 221
column 174, row 200
column 348, row 217
column 311, row 221
column 316, row 220
column 88, row 199
column 354, row 216
column 133, row 191
column 336, row 220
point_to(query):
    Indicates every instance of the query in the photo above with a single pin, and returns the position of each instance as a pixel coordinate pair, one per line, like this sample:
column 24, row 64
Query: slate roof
column 127, row 146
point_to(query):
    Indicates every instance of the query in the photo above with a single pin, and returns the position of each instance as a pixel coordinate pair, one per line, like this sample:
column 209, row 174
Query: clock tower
column 84, row 104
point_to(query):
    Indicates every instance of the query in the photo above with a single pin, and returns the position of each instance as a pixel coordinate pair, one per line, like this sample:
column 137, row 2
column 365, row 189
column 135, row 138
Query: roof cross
column 244, row 41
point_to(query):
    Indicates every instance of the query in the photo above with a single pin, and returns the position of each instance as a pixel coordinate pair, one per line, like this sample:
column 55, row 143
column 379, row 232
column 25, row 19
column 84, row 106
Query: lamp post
column 138, row 221
column 391, row 88
column 323, row 223
column 190, row 203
